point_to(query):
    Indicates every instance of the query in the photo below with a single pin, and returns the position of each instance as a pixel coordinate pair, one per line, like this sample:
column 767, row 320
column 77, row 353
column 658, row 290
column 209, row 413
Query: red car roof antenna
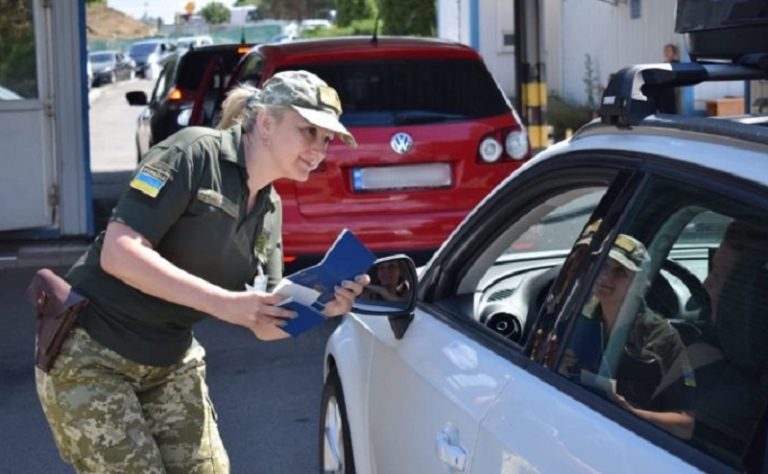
column 375, row 38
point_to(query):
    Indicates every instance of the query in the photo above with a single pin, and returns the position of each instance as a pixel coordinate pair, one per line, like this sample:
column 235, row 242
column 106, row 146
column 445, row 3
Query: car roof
column 104, row 51
column 214, row 48
column 725, row 146
column 353, row 46
column 150, row 41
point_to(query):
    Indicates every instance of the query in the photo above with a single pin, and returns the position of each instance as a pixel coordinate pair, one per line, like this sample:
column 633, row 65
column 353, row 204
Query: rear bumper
column 102, row 77
column 141, row 69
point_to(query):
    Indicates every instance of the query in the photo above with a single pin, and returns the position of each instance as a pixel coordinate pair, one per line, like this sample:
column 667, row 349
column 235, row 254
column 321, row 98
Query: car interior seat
column 742, row 314
column 732, row 393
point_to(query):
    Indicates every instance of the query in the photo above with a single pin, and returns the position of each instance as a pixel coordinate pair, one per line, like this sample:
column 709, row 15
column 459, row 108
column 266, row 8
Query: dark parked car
column 110, row 67
column 149, row 55
column 435, row 134
column 171, row 105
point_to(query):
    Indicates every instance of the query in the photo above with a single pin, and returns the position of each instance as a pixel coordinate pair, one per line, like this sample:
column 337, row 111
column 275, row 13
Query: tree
column 18, row 70
column 215, row 13
column 408, row 17
column 245, row 3
column 295, row 9
column 348, row 11
column 95, row 2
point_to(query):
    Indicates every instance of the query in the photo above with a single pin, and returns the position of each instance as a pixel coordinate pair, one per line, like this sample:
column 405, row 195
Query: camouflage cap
column 629, row 252
column 311, row 97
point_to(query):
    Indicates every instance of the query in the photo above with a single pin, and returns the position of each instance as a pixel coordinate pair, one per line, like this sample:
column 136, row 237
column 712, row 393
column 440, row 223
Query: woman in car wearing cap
column 201, row 219
column 653, row 377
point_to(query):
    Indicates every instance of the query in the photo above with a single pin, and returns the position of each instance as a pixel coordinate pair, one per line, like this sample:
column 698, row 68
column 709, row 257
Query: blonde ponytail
column 240, row 106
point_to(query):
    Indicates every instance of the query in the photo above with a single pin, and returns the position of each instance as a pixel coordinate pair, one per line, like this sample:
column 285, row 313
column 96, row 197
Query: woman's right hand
column 256, row 311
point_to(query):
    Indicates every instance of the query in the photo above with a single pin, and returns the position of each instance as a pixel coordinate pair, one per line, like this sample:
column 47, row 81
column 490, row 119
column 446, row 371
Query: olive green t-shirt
column 189, row 199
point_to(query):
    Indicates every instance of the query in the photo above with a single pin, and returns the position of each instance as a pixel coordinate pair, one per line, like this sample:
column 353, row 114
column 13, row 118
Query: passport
column 308, row 290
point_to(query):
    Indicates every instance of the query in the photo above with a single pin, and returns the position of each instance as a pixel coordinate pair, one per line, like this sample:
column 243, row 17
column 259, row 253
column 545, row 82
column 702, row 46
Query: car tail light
column 515, row 145
column 490, row 150
column 243, row 49
column 175, row 94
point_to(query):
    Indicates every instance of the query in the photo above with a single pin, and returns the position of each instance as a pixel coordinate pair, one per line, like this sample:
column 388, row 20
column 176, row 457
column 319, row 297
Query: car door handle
column 449, row 451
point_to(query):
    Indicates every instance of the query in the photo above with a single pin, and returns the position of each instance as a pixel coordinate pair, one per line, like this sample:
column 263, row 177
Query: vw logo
column 401, row 143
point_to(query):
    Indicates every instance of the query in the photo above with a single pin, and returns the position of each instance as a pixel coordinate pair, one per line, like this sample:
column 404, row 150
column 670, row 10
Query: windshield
column 193, row 65
column 143, row 48
column 101, row 57
column 559, row 229
column 412, row 91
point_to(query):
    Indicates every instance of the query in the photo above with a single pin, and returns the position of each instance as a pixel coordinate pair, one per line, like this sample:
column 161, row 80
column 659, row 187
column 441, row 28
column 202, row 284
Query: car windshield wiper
column 411, row 117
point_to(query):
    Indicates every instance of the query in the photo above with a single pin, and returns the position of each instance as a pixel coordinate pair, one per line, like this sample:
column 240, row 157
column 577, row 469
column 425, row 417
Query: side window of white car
column 529, row 255
column 675, row 324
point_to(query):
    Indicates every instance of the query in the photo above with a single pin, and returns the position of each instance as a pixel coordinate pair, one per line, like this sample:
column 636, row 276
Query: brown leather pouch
column 57, row 306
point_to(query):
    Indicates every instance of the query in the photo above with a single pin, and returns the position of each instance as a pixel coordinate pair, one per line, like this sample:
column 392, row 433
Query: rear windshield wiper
column 412, row 117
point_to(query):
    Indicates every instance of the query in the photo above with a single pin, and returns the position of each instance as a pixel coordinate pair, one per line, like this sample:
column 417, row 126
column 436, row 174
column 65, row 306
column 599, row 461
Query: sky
column 158, row 8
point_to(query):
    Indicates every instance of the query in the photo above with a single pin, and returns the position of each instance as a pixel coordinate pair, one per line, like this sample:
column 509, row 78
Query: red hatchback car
column 434, row 130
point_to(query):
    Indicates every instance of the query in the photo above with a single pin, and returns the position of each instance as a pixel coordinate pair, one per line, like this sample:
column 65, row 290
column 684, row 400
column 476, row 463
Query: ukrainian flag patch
column 150, row 180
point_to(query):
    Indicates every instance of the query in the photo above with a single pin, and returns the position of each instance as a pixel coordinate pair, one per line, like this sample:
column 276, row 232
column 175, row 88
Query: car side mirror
column 136, row 98
column 392, row 291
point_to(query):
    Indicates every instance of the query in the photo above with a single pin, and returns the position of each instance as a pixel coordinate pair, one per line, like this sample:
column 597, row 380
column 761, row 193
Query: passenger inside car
column 647, row 371
column 739, row 237
column 731, row 361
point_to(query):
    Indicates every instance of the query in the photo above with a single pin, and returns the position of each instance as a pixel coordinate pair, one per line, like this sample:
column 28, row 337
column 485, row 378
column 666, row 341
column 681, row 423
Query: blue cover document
column 308, row 290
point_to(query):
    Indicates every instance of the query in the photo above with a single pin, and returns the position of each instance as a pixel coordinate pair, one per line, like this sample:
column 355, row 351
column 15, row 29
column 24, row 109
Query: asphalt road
column 267, row 395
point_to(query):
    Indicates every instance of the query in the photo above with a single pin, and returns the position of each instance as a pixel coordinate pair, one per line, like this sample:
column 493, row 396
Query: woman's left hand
column 345, row 296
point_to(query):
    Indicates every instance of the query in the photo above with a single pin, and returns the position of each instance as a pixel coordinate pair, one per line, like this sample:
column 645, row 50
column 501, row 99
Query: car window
column 193, row 65
column 533, row 247
column 675, row 323
column 143, row 48
column 101, row 57
column 164, row 81
column 411, row 92
column 252, row 70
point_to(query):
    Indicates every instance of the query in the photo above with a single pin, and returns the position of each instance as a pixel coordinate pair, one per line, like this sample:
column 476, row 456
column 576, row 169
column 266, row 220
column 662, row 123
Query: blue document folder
column 306, row 318
column 347, row 258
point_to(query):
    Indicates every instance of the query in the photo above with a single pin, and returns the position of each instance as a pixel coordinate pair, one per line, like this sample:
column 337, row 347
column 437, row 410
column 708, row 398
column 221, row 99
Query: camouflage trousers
column 109, row 414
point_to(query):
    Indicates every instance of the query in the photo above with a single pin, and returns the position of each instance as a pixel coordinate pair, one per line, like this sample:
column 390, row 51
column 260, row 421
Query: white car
column 605, row 309
column 191, row 42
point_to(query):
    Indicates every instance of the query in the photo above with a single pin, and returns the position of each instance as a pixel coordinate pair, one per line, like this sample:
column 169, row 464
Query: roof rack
column 632, row 92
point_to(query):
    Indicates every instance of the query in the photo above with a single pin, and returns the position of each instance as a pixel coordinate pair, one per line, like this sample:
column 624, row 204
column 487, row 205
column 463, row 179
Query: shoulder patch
column 150, row 180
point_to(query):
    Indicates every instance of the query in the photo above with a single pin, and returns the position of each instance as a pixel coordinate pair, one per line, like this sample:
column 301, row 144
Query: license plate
column 427, row 175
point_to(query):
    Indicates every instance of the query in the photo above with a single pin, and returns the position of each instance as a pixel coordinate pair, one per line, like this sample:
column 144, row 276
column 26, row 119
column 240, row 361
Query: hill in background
column 104, row 23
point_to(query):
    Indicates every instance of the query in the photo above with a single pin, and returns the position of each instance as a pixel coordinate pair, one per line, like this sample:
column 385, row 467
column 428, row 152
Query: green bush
column 355, row 28
column 349, row 11
column 563, row 115
column 408, row 17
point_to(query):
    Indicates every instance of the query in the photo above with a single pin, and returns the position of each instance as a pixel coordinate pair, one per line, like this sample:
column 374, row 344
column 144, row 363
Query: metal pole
column 531, row 100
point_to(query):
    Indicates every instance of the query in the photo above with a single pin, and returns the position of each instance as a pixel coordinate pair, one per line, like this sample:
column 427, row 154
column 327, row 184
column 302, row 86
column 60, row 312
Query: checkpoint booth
column 45, row 183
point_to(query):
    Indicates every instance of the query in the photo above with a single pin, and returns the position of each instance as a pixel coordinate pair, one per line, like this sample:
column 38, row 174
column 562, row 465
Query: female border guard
column 200, row 220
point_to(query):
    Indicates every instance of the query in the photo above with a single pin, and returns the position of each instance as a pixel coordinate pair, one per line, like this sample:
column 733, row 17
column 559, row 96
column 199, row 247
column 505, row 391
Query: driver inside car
column 648, row 373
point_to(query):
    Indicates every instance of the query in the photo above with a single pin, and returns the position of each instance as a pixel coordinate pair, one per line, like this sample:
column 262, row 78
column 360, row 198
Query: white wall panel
column 496, row 18
column 612, row 39
column 453, row 20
